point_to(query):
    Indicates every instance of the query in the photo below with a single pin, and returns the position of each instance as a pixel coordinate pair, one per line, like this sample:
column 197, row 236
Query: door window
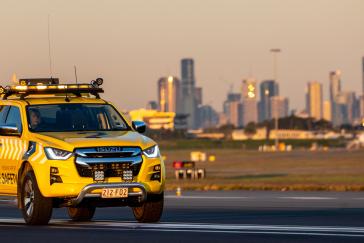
column 14, row 118
column 3, row 113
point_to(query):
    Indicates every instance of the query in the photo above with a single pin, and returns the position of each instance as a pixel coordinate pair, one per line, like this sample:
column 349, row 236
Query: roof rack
column 77, row 89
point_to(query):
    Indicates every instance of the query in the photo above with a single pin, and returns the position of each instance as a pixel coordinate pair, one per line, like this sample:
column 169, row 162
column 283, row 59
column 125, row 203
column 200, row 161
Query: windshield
column 74, row 117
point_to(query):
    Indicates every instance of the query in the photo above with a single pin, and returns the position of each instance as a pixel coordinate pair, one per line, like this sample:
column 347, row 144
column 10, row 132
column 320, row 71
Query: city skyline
column 132, row 44
column 244, row 107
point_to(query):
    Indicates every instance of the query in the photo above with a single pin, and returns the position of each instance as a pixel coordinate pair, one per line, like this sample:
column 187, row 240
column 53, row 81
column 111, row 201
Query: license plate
column 114, row 192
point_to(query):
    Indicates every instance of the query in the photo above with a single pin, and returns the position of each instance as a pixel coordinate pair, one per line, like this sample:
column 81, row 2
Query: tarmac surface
column 233, row 216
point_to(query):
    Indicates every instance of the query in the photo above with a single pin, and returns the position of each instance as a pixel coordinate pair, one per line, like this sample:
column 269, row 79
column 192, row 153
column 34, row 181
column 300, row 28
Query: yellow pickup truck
column 61, row 145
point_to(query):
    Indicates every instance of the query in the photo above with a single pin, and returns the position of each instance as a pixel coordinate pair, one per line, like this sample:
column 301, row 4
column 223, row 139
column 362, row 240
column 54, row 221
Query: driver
column 35, row 118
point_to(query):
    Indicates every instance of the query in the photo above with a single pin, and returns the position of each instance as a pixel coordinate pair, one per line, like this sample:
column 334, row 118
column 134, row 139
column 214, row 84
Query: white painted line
column 206, row 197
column 8, row 202
column 237, row 198
column 338, row 231
column 218, row 231
column 309, row 198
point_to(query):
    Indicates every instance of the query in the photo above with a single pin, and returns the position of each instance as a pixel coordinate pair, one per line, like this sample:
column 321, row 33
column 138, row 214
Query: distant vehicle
column 64, row 146
column 183, row 164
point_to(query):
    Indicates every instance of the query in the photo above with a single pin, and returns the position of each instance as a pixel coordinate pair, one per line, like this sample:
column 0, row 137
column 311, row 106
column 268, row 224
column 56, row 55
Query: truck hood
column 93, row 139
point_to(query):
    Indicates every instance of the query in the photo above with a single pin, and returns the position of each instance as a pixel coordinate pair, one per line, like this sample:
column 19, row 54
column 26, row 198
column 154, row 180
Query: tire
column 81, row 214
column 151, row 210
column 36, row 209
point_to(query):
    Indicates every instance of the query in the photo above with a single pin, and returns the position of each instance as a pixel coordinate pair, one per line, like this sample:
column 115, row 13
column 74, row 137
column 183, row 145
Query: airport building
column 154, row 119
column 262, row 134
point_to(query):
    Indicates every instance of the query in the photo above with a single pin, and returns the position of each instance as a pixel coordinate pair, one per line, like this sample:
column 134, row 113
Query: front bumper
column 72, row 184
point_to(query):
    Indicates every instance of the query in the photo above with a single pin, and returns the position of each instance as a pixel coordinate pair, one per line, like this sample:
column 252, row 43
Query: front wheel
column 36, row 209
column 151, row 210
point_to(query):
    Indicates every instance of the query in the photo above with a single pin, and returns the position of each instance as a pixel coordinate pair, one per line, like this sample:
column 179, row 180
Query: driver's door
column 12, row 148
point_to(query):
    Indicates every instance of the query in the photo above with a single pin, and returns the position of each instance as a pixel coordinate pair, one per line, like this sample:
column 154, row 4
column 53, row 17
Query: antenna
column 49, row 48
column 76, row 73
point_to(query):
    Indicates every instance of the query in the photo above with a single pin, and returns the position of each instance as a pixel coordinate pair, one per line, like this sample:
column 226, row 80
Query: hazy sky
column 132, row 43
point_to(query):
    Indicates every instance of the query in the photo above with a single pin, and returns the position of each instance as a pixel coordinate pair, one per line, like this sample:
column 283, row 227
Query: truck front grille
column 113, row 161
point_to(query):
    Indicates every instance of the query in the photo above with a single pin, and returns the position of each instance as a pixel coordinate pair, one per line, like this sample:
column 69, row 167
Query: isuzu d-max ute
column 61, row 145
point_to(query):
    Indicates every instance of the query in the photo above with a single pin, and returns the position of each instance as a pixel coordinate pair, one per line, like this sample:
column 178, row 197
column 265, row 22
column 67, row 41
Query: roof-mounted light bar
column 38, row 81
column 76, row 89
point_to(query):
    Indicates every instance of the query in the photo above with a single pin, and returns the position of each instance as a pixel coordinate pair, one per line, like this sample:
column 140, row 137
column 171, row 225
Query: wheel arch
column 25, row 165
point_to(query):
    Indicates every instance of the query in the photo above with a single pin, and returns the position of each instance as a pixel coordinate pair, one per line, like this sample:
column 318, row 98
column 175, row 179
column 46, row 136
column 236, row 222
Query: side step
column 8, row 200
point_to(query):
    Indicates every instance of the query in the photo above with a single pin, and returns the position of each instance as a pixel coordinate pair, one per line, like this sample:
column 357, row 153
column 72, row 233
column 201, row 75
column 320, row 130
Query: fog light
column 54, row 170
column 127, row 175
column 53, row 177
column 157, row 167
column 99, row 175
column 56, row 179
column 156, row 177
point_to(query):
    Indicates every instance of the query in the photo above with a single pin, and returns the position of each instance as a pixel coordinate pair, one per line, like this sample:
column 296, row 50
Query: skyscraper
column 344, row 108
column 279, row 106
column 249, row 101
column 361, row 105
column 335, row 84
column 169, row 94
column 152, row 105
column 208, row 116
column 361, row 98
column 188, row 76
column 363, row 75
column 335, row 89
column 198, row 95
column 235, row 113
column 188, row 92
column 327, row 110
column 314, row 100
column 268, row 89
column 232, row 109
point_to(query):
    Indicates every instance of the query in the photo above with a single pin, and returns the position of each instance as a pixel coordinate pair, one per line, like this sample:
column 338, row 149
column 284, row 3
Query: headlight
column 57, row 154
column 152, row 152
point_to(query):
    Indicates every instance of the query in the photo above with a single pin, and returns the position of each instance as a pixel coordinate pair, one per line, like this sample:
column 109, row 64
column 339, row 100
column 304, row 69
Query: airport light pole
column 275, row 52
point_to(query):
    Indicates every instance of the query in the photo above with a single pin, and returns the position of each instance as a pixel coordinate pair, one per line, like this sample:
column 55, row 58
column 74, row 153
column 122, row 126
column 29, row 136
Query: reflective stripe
column 11, row 148
column 15, row 149
column 38, row 154
column 23, row 149
column 20, row 149
column 44, row 159
column 6, row 145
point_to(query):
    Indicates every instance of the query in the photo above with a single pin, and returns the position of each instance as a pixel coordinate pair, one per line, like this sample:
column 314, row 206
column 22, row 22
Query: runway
column 236, row 216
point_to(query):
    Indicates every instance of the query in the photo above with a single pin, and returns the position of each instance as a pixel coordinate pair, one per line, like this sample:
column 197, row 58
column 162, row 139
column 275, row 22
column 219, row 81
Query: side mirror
column 139, row 126
column 9, row 130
